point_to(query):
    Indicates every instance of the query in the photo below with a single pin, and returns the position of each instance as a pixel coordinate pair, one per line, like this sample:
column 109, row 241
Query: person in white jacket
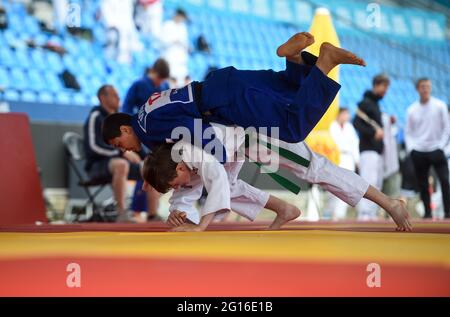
column 347, row 141
column 118, row 15
column 149, row 17
column 175, row 46
column 191, row 168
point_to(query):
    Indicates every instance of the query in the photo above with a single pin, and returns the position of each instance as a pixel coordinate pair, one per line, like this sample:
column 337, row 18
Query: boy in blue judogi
column 292, row 100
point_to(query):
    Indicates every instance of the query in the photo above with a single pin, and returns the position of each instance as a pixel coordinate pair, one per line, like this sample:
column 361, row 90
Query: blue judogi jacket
column 293, row 100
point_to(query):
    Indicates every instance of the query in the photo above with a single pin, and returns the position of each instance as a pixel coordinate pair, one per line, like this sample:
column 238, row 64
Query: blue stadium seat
column 4, row 78
column 93, row 100
column 19, row 79
column 11, row 95
column 36, row 80
column 71, row 44
column 80, row 99
column 63, row 97
column 54, row 62
column 53, row 82
column 70, row 63
column 7, row 57
column 96, row 83
column 29, row 96
column 31, row 25
column 39, row 59
column 45, row 97
column 83, row 66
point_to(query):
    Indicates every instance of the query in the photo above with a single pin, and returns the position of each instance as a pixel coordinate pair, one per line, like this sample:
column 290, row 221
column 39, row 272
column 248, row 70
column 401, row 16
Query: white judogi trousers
column 371, row 170
column 248, row 201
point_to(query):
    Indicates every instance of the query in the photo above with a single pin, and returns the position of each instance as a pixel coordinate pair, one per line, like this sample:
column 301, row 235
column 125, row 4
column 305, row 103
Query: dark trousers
column 422, row 163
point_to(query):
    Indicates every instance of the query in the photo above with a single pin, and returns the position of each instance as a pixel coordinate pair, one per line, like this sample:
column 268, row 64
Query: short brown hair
column 159, row 168
column 380, row 79
column 161, row 68
column 420, row 80
column 103, row 90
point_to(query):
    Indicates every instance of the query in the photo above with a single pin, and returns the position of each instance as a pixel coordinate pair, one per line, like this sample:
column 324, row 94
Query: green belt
column 289, row 155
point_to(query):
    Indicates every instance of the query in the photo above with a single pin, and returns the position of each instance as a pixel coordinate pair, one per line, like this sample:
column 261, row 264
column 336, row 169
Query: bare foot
column 295, row 45
column 330, row 56
column 400, row 215
column 285, row 214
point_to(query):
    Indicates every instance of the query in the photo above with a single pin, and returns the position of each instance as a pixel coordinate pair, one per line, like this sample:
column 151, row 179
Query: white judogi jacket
column 226, row 192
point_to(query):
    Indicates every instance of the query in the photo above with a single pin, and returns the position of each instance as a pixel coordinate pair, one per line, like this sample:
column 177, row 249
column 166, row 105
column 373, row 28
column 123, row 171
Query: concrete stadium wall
column 49, row 149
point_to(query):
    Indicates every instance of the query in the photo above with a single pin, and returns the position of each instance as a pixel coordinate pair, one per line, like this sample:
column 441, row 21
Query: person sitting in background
column 346, row 139
column 369, row 125
column 426, row 132
column 154, row 80
column 102, row 160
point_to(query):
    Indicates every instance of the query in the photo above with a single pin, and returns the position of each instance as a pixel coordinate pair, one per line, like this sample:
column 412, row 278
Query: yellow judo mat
column 306, row 259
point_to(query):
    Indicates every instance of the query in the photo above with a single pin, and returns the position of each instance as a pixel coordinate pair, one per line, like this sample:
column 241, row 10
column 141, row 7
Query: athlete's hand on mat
column 188, row 227
column 176, row 218
column 132, row 157
column 400, row 215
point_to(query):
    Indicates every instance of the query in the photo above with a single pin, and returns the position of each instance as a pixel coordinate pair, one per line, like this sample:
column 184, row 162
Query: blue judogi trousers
column 294, row 100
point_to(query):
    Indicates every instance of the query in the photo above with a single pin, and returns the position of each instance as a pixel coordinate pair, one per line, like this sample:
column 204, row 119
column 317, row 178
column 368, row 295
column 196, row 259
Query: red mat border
column 190, row 277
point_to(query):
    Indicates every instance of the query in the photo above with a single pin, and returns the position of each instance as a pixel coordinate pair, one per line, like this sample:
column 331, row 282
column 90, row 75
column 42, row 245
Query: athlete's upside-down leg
column 343, row 183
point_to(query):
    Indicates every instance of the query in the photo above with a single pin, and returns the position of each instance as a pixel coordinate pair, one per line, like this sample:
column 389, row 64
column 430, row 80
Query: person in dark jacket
column 102, row 160
column 368, row 124
column 154, row 80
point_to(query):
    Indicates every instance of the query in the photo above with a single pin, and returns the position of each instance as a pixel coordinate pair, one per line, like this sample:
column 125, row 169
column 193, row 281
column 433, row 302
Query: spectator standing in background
column 149, row 17
column 426, row 133
column 346, row 139
column 118, row 19
column 368, row 123
column 175, row 46
column 391, row 164
column 154, row 80
column 447, row 146
column 60, row 11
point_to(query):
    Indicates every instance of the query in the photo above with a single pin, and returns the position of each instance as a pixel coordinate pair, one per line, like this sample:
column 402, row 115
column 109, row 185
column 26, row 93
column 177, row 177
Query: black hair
column 181, row 12
column 111, row 125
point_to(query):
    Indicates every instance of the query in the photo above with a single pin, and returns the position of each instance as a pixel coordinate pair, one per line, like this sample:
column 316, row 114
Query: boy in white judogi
column 195, row 169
